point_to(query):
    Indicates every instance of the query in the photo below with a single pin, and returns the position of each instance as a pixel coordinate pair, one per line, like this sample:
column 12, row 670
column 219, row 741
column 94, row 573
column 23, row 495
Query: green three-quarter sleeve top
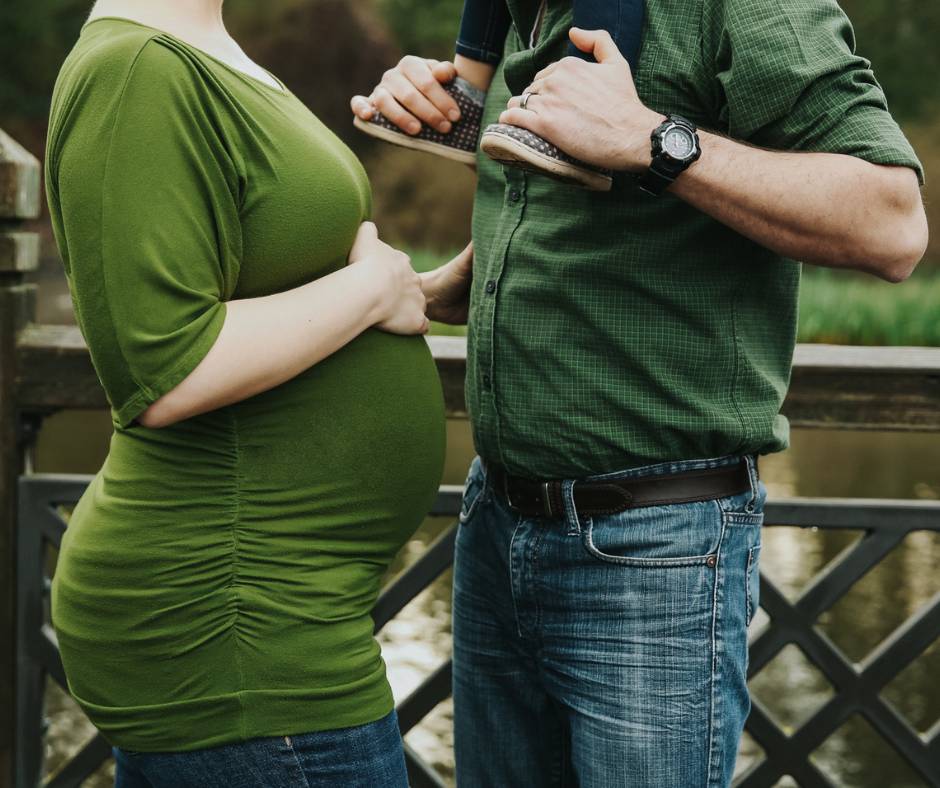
column 216, row 579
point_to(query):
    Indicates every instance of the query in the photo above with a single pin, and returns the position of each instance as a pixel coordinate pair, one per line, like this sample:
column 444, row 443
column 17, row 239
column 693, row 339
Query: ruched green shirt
column 612, row 330
column 216, row 579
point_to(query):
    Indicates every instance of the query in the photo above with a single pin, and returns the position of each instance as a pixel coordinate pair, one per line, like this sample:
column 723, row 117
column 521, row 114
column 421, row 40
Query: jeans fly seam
column 533, row 562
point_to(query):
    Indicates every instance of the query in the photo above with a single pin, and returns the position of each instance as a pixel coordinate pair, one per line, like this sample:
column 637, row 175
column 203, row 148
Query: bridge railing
column 44, row 369
column 19, row 256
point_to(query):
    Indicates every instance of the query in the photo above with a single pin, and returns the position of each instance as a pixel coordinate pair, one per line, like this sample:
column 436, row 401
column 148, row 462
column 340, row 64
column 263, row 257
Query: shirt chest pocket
column 671, row 74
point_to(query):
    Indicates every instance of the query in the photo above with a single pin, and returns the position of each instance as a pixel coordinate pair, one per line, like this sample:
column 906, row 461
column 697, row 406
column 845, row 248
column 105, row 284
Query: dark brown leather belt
column 544, row 498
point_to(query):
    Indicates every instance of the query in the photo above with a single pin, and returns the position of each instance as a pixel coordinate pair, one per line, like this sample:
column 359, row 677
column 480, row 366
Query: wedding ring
column 526, row 95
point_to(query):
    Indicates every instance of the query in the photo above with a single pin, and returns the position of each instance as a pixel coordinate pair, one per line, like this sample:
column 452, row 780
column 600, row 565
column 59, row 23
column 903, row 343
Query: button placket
column 487, row 415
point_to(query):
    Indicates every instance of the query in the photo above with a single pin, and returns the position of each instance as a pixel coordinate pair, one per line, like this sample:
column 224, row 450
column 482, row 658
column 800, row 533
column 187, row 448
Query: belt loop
column 547, row 495
column 571, row 512
column 751, row 461
column 487, row 481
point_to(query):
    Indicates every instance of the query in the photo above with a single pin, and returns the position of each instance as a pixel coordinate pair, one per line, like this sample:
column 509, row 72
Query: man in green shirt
column 627, row 358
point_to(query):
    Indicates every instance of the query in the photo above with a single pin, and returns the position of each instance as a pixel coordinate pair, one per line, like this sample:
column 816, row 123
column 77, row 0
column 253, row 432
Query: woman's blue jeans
column 604, row 652
column 362, row 757
column 485, row 23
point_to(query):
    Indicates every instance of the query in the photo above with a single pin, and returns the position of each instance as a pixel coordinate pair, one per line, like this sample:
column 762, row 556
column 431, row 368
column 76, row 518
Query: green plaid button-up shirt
column 612, row 330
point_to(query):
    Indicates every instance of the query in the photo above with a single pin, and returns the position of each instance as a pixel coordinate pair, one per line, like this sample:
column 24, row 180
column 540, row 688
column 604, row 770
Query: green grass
column 836, row 307
column 847, row 308
column 423, row 260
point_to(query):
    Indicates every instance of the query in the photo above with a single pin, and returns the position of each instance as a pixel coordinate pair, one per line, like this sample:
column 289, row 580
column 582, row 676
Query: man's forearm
column 828, row 209
column 822, row 208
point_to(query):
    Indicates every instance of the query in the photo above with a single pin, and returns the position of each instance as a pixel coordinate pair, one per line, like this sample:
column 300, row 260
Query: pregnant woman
column 278, row 419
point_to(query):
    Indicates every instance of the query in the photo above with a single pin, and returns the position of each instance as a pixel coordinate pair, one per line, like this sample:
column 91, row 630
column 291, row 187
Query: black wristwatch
column 675, row 148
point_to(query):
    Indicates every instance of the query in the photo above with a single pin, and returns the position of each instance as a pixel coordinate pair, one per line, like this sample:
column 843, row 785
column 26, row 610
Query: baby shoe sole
column 507, row 150
column 407, row 141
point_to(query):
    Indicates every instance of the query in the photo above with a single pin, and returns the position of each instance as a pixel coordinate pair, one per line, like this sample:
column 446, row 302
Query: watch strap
column 657, row 179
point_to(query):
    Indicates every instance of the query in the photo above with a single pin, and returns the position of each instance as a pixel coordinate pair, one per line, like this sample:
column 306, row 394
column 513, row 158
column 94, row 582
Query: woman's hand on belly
column 268, row 340
column 401, row 302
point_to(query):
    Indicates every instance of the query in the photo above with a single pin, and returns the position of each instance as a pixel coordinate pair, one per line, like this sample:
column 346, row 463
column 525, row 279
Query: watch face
column 678, row 143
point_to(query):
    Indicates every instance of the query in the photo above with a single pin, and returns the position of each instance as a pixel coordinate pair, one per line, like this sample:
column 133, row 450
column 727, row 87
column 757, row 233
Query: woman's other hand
column 400, row 302
column 447, row 289
column 411, row 93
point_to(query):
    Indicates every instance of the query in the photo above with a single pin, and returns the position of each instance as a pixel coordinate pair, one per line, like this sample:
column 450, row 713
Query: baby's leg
column 483, row 28
column 476, row 72
column 623, row 19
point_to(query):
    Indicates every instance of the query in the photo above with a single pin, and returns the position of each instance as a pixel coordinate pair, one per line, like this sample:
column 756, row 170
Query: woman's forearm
column 268, row 340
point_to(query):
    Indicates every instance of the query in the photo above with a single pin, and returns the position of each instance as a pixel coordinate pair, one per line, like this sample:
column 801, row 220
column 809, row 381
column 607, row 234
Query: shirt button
column 491, row 286
column 486, row 381
column 514, row 195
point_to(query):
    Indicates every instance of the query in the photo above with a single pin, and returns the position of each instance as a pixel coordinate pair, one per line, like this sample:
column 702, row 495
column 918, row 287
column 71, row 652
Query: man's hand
column 410, row 94
column 589, row 110
column 447, row 289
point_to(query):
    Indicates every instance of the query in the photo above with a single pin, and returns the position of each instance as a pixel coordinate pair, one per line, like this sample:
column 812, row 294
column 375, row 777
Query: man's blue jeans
column 365, row 756
column 605, row 652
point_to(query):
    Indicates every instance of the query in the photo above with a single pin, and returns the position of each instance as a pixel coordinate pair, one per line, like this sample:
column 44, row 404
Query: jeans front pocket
column 685, row 534
column 473, row 490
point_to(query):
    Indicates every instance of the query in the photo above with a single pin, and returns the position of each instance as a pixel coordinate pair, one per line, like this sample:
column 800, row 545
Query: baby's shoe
column 517, row 147
column 459, row 144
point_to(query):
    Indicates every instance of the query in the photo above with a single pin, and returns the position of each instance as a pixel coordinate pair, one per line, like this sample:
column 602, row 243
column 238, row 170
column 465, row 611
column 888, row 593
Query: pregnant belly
column 355, row 444
column 267, row 525
column 343, row 460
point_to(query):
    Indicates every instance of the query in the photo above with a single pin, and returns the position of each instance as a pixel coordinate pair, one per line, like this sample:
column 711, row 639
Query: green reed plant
column 848, row 308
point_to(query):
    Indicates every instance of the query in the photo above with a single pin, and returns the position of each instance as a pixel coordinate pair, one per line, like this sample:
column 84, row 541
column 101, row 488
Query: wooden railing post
column 19, row 254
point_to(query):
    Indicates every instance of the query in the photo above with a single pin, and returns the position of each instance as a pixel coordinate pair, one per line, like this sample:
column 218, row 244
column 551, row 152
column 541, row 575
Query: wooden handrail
column 889, row 388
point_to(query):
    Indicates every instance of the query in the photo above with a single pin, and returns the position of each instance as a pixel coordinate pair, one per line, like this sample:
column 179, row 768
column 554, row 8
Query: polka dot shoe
column 459, row 144
column 518, row 147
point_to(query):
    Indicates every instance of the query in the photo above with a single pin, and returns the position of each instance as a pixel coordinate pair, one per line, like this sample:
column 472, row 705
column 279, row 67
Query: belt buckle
column 552, row 492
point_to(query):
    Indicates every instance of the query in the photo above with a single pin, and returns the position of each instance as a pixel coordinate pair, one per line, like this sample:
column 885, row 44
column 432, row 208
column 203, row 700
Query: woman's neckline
column 228, row 66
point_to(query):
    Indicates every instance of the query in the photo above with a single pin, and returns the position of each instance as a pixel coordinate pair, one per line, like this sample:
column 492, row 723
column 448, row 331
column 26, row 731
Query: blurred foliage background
column 327, row 50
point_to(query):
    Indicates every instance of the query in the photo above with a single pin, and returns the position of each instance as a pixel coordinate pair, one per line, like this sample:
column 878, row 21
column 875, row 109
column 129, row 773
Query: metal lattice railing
column 40, row 524
column 885, row 525
column 857, row 687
